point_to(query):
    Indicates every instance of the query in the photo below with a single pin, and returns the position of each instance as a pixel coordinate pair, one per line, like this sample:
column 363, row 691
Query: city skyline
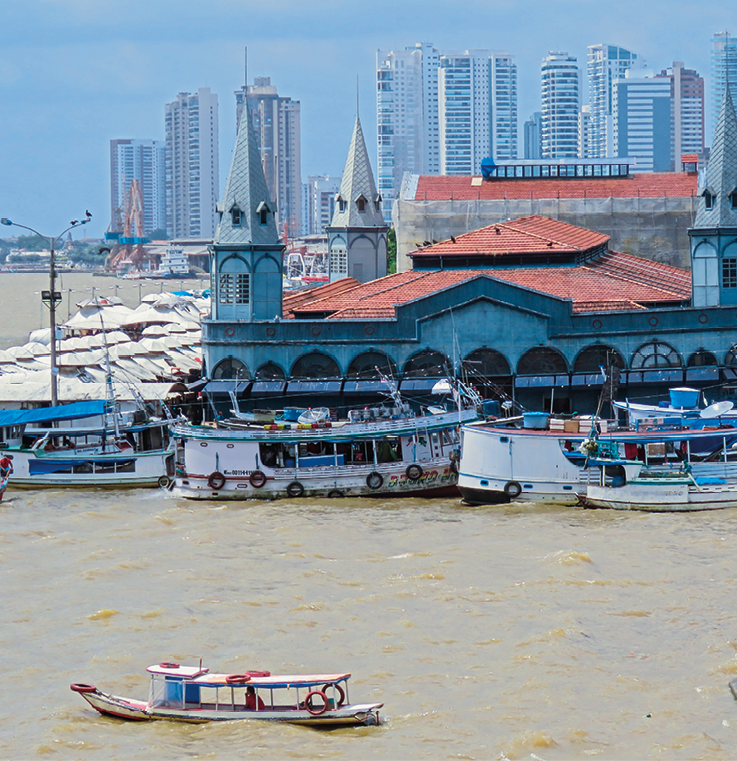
column 77, row 74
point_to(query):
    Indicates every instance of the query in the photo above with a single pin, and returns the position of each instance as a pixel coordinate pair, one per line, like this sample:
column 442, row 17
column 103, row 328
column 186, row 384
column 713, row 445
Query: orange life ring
column 258, row 674
column 257, row 479
column 83, row 688
column 172, row 665
column 310, row 708
column 230, row 332
column 237, row 679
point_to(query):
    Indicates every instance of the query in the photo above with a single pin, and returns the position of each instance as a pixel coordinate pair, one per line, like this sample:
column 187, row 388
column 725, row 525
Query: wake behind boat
column 192, row 694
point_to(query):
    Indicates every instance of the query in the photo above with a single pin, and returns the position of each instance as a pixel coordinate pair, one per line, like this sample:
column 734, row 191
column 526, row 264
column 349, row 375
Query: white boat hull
column 661, row 497
column 366, row 714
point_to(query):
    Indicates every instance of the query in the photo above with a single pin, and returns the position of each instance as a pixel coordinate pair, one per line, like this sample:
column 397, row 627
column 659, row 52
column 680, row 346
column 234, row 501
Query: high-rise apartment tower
column 192, row 175
column 687, row 111
column 723, row 69
column 144, row 161
column 560, row 106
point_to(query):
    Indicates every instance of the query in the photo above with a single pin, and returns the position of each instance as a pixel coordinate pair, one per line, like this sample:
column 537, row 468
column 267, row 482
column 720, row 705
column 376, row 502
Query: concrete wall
column 655, row 228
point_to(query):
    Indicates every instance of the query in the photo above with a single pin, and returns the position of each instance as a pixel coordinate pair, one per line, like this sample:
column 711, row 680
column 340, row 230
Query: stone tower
column 357, row 233
column 713, row 243
column 245, row 260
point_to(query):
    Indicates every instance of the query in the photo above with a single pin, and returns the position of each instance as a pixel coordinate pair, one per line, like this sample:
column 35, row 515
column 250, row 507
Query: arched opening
column 427, row 364
column 593, row 358
column 655, row 354
column 370, row 366
column 315, row 366
column 701, row 358
column 270, row 371
column 230, row 369
column 542, row 360
column 486, row 363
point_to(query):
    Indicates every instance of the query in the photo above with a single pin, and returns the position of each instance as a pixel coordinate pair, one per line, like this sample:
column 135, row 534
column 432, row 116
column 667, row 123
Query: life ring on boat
column 83, row 688
column 512, row 489
column 237, row 679
column 172, row 665
column 257, row 479
column 316, row 711
column 341, row 693
column 374, row 480
column 414, row 472
column 335, row 494
column 216, row 480
column 163, row 481
column 295, row 489
column 258, row 674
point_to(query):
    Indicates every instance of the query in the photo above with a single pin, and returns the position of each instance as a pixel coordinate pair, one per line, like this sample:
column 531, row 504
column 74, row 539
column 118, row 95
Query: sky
column 76, row 74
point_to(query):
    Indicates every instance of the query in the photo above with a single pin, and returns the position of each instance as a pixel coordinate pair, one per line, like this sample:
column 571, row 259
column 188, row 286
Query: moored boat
column 192, row 694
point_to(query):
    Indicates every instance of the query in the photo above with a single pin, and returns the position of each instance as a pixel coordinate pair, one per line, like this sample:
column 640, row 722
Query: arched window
column 269, row 371
column 361, row 203
column 315, row 366
column 262, row 210
column 236, row 216
column 427, row 364
column 655, row 354
column 370, row 365
column 542, row 360
column 701, row 358
column 708, row 199
column 592, row 358
column 230, row 369
column 486, row 363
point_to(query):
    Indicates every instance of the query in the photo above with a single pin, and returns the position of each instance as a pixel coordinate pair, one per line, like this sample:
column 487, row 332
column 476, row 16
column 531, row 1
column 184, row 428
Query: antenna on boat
column 200, row 664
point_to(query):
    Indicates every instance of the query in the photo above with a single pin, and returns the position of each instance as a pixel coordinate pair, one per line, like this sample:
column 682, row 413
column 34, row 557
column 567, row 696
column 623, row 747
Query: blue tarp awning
column 48, row 414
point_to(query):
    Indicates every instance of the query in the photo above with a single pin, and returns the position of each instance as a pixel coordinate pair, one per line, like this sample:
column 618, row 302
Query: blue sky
column 77, row 73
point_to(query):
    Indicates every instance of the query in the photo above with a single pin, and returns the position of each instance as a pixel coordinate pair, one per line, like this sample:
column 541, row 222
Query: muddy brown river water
column 489, row 633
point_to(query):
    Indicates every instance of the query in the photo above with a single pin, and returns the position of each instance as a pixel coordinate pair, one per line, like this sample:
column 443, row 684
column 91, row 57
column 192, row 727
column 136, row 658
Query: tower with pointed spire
column 712, row 238
column 245, row 259
column 357, row 234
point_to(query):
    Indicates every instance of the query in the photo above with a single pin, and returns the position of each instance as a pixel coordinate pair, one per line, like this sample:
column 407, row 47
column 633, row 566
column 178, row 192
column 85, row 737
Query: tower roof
column 358, row 183
column 246, row 192
column 719, row 188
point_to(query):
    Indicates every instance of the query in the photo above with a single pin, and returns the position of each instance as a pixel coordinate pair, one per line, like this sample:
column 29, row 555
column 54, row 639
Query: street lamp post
column 53, row 296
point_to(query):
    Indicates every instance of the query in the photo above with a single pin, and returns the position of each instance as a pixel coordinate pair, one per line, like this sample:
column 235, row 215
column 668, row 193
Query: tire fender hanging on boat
column 374, row 480
column 512, row 489
column 257, row 479
column 414, row 472
column 163, row 481
column 295, row 489
column 216, row 480
column 82, row 688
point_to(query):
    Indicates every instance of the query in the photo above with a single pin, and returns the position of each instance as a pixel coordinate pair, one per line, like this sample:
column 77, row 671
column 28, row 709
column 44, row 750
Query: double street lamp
column 51, row 297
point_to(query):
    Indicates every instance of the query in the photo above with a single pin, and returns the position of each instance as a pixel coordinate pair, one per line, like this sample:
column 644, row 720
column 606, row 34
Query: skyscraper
column 560, row 106
column 407, row 117
column 604, row 64
column 533, row 136
column 641, row 107
column 319, row 203
column 276, row 121
column 723, row 69
column 687, row 110
column 477, row 109
column 142, row 160
column 192, row 174
column 442, row 113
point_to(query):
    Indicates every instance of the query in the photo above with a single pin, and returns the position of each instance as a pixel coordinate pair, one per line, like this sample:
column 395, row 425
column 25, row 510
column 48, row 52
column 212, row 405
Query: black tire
column 216, row 480
column 257, row 479
column 414, row 472
column 335, row 494
column 512, row 489
column 163, row 481
column 374, row 480
column 295, row 489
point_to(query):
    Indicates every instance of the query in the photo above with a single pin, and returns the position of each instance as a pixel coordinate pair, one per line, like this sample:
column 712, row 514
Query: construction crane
column 128, row 251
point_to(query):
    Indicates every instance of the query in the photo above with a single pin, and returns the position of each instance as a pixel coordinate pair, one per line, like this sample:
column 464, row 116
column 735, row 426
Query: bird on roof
column 74, row 222
column 453, row 240
column 88, row 214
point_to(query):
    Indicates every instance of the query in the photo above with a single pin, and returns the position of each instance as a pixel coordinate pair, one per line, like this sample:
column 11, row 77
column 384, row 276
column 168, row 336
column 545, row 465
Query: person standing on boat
column 6, row 468
column 251, row 700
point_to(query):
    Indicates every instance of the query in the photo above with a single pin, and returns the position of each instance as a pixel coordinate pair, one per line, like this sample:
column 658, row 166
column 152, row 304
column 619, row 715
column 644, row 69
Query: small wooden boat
column 193, row 694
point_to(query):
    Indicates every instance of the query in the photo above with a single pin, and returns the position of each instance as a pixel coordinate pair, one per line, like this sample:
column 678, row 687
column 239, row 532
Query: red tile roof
column 292, row 300
column 613, row 282
column 527, row 235
column 646, row 185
